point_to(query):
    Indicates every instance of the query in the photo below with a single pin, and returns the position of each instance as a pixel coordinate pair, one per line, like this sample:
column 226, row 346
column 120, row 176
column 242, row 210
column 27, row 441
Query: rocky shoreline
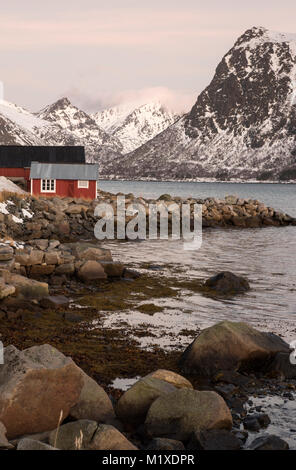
column 54, row 290
column 164, row 410
column 24, row 217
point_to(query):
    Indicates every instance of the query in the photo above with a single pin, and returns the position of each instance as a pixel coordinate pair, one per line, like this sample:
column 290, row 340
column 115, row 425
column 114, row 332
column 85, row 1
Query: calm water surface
column 266, row 256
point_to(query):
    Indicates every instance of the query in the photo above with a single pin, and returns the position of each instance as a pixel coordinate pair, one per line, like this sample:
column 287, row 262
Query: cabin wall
column 67, row 188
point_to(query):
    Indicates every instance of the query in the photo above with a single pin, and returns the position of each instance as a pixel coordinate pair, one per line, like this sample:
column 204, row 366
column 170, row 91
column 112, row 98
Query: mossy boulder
column 179, row 414
column 231, row 346
column 73, row 436
column 109, row 438
column 227, row 283
column 132, row 407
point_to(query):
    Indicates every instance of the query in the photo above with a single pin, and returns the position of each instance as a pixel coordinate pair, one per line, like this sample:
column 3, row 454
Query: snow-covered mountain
column 20, row 127
column 133, row 124
column 243, row 125
column 105, row 135
column 80, row 125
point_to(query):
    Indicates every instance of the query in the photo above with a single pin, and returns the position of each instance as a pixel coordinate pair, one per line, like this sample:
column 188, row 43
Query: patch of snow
column 17, row 220
column 124, row 384
column 9, row 186
column 27, row 214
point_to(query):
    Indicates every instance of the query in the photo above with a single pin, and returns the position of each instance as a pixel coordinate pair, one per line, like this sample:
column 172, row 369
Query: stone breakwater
column 67, row 219
column 161, row 411
column 21, row 266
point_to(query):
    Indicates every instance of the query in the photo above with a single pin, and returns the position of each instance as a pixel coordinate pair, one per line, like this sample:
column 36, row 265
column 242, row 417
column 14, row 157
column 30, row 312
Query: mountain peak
column 243, row 125
column 258, row 34
column 135, row 123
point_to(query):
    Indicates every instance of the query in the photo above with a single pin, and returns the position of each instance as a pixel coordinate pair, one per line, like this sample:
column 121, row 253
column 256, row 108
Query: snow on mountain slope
column 24, row 128
column 13, row 134
column 133, row 124
column 21, row 116
column 243, row 125
column 80, row 125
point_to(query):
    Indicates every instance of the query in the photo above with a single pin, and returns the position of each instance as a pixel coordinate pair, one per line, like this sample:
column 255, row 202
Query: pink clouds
column 179, row 101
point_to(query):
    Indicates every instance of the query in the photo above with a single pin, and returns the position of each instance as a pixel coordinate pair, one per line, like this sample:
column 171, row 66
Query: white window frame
column 83, row 184
column 50, row 185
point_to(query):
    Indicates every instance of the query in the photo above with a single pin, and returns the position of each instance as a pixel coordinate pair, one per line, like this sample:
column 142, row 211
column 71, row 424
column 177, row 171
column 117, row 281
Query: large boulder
column 27, row 288
column 109, row 438
column 94, row 403
column 179, row 414
column 269, row 442
column 91, row 271
column 230, row 346
column 38, row 387
column 227, row 283
column 133, row 405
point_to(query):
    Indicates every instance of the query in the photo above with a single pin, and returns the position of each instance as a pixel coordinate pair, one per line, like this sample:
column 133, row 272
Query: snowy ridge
column 243, row 125
column 105, row 135
column 133, row 126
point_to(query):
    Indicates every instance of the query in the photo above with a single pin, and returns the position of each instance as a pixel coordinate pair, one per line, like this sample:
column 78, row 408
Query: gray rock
column 28, row 288
column 93, row 403
column 91, row 271
column 73, row 436
column 227, row 283
column 109, row 438
column 133, row 405
column 178, row 414
column 216, row 439
column 283, row 366
column 31, row 444
column 269, row 442
column 231, row 346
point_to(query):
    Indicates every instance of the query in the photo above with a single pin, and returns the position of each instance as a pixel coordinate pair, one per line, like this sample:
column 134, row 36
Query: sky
column 103, row 53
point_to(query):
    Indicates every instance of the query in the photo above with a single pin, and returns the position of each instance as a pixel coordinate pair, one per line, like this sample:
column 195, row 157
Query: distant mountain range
column 133, row 124
column 242, row 126
column 106, row 134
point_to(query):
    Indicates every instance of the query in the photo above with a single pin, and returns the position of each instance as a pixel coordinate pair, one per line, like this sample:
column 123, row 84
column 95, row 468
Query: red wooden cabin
column 15, row 160
column 65, row 180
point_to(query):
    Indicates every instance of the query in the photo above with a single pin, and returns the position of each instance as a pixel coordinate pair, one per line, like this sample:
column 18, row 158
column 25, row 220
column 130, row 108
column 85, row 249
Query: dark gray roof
column 18, row 156
column 61, row 171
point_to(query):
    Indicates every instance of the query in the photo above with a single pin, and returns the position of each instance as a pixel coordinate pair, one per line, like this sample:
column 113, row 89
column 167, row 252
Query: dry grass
column 5, row 195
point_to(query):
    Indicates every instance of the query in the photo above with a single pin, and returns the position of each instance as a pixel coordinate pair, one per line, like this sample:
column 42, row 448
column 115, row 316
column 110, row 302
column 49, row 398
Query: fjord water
column 266, row 256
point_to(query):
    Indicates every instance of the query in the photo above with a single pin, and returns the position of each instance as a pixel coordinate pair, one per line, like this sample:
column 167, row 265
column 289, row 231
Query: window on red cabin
column 48, row 186
column 82, row 184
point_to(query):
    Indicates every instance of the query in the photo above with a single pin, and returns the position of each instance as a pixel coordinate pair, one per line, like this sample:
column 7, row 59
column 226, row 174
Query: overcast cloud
column 101, row 53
